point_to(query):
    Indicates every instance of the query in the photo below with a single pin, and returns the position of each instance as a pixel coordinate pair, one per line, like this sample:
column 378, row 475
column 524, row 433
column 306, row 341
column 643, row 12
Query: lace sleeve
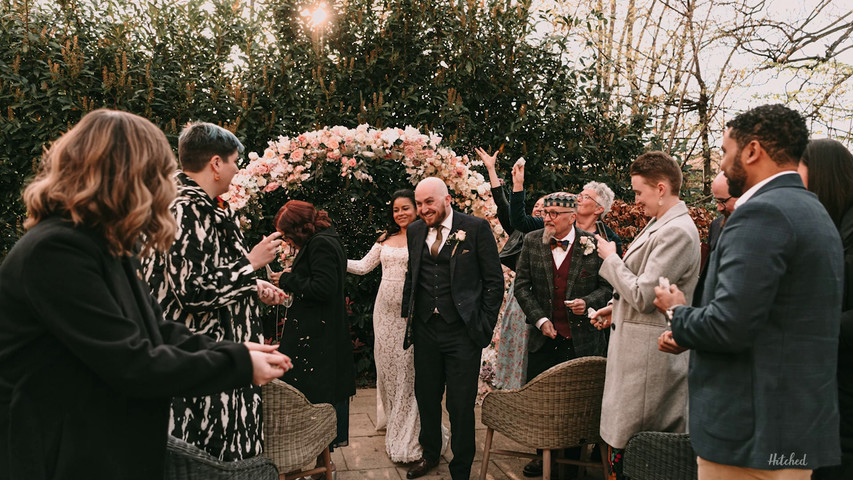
column 366, row 264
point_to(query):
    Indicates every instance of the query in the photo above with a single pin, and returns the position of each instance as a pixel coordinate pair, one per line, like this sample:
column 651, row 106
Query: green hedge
column 468, row 71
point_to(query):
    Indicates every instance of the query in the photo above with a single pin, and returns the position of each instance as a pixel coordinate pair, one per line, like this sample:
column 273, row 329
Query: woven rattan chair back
column 558, row 409
column 296, row 431
column 187, row 462
column 660, row 456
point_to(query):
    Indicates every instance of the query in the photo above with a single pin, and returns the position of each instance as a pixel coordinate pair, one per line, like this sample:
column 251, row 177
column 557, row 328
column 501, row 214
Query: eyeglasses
column 553, row 214
column 584, row 196
column 722, row 201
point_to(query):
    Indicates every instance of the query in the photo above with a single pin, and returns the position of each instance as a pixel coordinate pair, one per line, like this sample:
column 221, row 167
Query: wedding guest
column 396, row 408
column 594, row 203
column 645, row 389
column 764, row 347
column 87, row 362
column 207, row 281
column 317, row 333
column 725, row 205
column 826, row 168
column 510, row 363
column 518, row 220
column 557, row 281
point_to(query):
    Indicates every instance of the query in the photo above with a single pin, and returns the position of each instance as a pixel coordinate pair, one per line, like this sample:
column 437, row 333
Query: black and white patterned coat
column 206, row 282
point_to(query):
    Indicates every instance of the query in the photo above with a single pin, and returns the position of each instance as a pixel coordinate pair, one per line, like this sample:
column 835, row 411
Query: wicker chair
column 659, row 456
column 558, row 409
column 296, row 431
column 187, row 462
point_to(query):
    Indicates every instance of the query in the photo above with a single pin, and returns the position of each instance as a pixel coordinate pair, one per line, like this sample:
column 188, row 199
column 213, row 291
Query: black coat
column 87, row 363
column 317, row 332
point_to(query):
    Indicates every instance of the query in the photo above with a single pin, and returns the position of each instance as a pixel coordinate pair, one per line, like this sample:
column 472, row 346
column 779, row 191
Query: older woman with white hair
column 594, row 203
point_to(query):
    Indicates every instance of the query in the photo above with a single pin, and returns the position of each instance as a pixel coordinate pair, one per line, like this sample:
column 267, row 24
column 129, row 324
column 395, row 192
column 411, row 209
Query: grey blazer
column 762, row 368
column 534, row 289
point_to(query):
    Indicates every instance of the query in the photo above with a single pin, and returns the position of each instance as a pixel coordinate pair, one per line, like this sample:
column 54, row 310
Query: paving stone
column 382, row 473
column 365, row 453
column 360, row 425
column 339, row 460
column 365, row 457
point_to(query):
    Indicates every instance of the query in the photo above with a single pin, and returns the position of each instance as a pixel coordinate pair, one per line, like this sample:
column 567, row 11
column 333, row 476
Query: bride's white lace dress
column 396, row 407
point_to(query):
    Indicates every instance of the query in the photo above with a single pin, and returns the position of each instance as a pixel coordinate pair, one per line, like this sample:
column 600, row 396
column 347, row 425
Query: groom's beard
column 548, row 233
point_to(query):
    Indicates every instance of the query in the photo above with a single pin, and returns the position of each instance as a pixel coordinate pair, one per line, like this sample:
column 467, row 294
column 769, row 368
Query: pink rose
column 271, row 186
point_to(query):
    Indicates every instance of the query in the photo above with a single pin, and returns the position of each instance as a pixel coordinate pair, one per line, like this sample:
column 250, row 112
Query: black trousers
column 445, row 357
column 554, row 352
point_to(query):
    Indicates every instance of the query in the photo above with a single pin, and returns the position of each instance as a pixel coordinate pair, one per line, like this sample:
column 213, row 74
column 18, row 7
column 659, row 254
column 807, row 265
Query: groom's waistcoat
column 433, row 290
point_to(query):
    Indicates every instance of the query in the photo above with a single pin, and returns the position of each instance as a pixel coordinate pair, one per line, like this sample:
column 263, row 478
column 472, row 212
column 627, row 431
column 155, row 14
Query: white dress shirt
column 446, row 223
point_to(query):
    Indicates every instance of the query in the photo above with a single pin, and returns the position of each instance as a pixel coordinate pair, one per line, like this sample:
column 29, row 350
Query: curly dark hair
column 393, row 228
column 782, row 132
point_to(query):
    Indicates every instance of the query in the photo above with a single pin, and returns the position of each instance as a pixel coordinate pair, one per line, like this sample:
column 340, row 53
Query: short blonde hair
column 112, row 172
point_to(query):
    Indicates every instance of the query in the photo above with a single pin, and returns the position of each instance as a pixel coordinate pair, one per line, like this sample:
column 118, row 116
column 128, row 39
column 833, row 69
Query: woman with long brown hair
column 87, row 362
column 317, row 332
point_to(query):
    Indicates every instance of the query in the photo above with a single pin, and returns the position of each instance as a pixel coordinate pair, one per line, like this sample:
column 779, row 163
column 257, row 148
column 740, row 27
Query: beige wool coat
column 646, row 389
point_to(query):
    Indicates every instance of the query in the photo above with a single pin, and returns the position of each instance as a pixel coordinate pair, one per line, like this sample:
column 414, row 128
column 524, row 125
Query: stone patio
column 365, row 457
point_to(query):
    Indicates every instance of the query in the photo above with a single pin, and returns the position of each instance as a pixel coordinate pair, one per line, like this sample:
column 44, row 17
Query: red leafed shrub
column 627, row 220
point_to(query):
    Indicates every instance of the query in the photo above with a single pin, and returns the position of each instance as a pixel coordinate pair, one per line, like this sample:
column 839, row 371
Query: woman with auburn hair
column 317, row 332
column 87, row 363
column 827, row 170
column 645, row 389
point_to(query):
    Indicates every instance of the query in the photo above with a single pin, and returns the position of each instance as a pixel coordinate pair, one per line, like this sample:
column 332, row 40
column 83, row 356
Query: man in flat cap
column 556, row 282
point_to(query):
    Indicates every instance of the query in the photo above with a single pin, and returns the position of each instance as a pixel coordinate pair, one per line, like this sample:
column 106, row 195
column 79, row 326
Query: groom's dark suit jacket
column 476, row 278
column 764, row 346
column 534, row 290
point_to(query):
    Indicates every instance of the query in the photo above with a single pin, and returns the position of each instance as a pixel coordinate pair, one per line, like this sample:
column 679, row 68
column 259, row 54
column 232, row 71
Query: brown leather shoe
column 421, row 468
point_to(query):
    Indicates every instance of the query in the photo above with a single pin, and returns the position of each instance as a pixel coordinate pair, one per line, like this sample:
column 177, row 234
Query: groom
column 453, row 291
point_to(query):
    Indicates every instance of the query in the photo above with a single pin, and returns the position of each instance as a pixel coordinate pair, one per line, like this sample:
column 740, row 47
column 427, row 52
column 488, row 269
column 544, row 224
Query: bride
column 396, row 408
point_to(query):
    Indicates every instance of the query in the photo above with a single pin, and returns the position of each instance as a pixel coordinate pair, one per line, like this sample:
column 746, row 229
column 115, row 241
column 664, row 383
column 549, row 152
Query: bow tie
column 564, row 244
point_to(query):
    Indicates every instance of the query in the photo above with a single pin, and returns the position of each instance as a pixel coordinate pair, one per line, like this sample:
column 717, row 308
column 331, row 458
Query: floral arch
column 288, row 162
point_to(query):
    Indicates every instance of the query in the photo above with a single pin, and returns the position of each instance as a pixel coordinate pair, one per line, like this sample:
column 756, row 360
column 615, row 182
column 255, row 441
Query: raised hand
column 602, row 318
column 488, row 160
column 518, row 177
column 265, row 251
column 605, row 248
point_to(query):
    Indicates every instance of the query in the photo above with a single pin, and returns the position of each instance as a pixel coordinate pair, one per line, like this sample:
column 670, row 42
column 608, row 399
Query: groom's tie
column 436, row 244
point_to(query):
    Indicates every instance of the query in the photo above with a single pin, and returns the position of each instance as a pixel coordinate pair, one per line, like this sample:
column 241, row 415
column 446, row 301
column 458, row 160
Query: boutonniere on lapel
column 588, row 244
column 457, row 237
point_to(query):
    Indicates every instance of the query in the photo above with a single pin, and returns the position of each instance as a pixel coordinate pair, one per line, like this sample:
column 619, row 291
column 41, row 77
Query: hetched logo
column 782, row 460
